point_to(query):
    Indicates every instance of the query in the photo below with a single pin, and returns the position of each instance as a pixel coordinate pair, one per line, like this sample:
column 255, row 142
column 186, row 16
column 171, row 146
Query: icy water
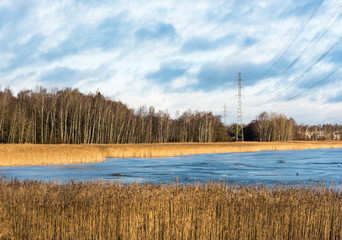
column 245, row 168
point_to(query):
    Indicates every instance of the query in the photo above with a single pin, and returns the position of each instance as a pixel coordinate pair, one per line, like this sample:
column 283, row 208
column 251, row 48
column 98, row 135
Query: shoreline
column 52, row 154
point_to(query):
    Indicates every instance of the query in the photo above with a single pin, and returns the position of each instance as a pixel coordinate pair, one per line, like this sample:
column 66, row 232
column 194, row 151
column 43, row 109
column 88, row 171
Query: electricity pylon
column 239, row 127
column 225, row 114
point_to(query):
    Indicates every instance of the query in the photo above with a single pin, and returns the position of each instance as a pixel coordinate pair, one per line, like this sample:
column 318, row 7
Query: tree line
column 69, row 116
column 269, row 127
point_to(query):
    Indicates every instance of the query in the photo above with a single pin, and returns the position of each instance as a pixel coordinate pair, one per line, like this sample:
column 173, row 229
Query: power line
column 307, row 70
column 293, row 40
column 318, row 35
column 310, row 44
column 311, row 87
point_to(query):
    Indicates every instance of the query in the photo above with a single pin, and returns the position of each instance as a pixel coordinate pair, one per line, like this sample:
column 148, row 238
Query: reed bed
column 98, row 210
column 37, row 154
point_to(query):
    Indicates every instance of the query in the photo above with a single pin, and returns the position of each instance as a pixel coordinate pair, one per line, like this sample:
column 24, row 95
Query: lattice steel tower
column 225, row 114
column 239, row 127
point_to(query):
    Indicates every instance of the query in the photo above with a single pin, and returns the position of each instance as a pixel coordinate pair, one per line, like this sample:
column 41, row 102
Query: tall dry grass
column 94, row 210
column 32, row 154
column 35, row 154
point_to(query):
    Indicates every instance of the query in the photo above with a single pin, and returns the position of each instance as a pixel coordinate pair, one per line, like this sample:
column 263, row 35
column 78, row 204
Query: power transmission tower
column 225, row 114
column 239, row 127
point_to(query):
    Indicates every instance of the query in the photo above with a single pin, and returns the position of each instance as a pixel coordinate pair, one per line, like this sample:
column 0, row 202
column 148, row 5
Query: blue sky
column 180, row 55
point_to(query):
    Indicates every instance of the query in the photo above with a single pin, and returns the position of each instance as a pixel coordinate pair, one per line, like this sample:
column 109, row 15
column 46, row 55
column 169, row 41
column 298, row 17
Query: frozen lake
column 245, row 168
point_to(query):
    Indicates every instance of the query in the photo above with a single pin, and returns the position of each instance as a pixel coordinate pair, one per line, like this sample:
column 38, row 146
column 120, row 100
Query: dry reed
column 35, row 154
column 97, row 210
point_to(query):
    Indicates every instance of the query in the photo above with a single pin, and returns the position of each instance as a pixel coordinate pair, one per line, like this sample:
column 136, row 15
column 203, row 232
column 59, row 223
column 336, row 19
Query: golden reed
column 36, row 154
column 97, row 210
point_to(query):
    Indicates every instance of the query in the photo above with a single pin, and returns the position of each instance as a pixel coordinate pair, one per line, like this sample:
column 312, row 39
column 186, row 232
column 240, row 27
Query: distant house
column 337, row 136
column 315, row 135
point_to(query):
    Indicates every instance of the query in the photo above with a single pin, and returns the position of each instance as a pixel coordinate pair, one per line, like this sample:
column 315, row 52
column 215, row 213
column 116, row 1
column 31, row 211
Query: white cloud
column 41, row 38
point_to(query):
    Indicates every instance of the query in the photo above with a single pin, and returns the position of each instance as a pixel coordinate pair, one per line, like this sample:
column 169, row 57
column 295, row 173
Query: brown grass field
column 35, row 154
column 98, row 210
column 212, row 210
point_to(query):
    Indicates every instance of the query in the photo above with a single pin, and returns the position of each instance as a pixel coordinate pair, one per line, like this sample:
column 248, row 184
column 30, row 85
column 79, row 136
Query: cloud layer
column 179, row 56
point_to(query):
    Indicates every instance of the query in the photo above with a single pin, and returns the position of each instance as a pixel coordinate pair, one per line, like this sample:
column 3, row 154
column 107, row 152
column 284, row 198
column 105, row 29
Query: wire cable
column 310, row 44
column 306, row 71
column 293, row 40
column 311, row 87
column 317, row 36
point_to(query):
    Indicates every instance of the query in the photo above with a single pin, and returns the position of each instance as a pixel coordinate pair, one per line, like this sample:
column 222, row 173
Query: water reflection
column 246, row 168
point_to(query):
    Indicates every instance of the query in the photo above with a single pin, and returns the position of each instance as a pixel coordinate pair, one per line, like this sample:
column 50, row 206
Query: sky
column 181, row 55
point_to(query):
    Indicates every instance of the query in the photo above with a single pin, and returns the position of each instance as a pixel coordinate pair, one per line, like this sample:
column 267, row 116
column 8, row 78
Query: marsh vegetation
column 38, row 154
column 97, row 210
